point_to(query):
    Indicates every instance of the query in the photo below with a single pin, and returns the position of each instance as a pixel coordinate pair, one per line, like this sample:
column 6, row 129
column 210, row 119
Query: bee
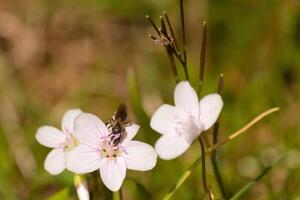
column 117, row 124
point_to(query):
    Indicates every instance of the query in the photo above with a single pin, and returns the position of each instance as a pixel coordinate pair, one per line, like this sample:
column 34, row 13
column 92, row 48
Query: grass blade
column 135, row 98
column 249, row 185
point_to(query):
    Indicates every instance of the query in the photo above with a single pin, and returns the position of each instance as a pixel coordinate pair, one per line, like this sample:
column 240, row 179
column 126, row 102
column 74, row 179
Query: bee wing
column 121, row 112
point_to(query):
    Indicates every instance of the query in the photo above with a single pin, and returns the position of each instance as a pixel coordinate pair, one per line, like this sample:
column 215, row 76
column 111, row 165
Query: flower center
column 188, row 127
column 70, row 142
column 109, row 150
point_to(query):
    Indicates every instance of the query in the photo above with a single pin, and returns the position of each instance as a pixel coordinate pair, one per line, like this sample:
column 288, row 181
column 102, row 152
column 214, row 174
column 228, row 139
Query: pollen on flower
column 187, row 127
column 70, row 142
column 108, row 150
column 185, row 123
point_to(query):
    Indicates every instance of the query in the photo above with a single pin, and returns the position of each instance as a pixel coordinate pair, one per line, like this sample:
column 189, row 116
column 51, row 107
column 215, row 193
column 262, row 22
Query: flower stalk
column 202, row 70
column 214, row 155
column 170, row 51
column 120, row 194
column 205, row 138
column 204, row 182
column 183, row 40
column 202, row 56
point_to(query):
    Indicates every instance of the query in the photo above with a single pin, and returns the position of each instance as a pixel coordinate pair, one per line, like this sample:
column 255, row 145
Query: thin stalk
column 188, row 172
column 169, row 51
column 206, row 140
column 202, row 56
column 178, row 56
column 171, row 29
column 153, row 24
column 249, row 185
column 201, row 71
column 97, row 188
column 182, row 179
column 205, row 187
column 173, row 65
column 214, row 156
column 183, row 40
column 173, row 40
column 120, row 194
column 246, row 127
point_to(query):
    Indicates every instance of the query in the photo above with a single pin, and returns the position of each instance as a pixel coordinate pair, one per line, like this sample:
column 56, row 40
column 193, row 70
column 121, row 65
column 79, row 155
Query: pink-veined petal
column 55, row 161
column 89, row 129
column 191, row 130
column 131, row 132
column 139, row 156
column 67, row 123
column 83, row 159
column 113, row 172
column 50, row 136
column 210, row 107
column 165, row 119
column 186, row 99
column 171, row 146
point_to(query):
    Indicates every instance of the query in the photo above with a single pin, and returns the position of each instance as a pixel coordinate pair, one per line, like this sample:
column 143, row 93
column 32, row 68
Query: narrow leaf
column 249, row 185
column 135, row 98
column 137, row 105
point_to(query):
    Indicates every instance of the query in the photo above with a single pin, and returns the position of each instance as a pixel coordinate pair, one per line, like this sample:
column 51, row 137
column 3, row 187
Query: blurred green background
column 57, row 55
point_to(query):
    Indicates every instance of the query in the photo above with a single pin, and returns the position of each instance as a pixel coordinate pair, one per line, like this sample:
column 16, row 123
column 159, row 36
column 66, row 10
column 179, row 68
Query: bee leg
column 127, row 123
column 109, row 126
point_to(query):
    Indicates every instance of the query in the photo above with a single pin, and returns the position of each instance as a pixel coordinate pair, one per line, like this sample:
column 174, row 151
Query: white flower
column 97, row 150
column 181, row 124
column 62, row 141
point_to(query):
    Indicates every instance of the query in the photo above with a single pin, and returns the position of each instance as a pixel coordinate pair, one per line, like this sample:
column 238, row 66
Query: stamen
column 70, row 142
column 109, row 150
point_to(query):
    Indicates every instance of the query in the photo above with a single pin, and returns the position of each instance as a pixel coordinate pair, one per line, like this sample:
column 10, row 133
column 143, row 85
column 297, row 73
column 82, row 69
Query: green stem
column 202, row 57
column 183, row 40
column 214, row 156
column 169, row 52
column 120, row 194
column 249, row 185
column 182, row 179
column 214, row 161
column 205, row 187
column 97, row 189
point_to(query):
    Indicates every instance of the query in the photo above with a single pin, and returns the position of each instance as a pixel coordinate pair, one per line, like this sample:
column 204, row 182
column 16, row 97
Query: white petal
column 113, row 172
column 186, row 99
column 171, row 146
column 55, row 161
column 67, row 123
column 192, row 130
column 210, row 108
column 165, row 119
column 89, row 129
column 131, row 131
column 140, row 156
column 50, row 136
column 83, row 159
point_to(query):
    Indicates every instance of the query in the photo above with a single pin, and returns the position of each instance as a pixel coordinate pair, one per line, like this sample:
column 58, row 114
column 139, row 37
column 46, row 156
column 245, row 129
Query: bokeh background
column 57, row 55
